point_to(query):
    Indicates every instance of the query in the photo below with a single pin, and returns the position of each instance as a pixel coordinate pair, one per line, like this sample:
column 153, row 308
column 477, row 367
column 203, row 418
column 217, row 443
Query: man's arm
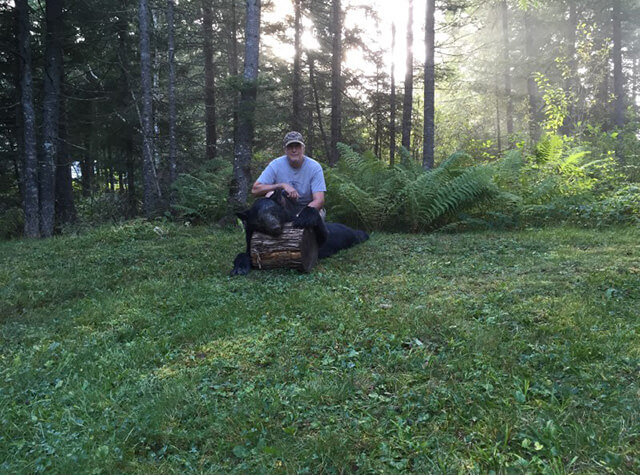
column 261, row 189
column 317, row 200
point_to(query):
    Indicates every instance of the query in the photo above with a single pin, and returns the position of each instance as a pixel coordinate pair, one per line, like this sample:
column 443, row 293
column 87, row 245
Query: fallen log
column 294, row 249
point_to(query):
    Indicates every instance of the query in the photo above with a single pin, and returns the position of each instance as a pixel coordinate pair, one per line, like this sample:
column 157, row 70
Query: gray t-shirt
column 307, row 179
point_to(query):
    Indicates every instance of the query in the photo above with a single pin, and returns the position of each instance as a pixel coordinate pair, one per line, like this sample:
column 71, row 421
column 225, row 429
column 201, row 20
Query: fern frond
column 550, row 148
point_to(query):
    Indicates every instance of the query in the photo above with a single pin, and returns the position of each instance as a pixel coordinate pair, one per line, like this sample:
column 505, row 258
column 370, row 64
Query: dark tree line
column 117, row 99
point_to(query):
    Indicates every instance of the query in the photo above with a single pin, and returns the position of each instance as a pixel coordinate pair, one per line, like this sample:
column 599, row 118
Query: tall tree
column 570, row 79
column 336, row 79
column 232, row 55
column 50, row 115
column 151, row 191
column 65, row 208
column 407, row 104
column 30, row 166
column 392, row 118
column 618, row 77
column 506, row 54
column 429, row 87
column 296, row 119
column 209, row 81
column 316, row 100
column 532, row 89
column 173, row 146
column 247, row 106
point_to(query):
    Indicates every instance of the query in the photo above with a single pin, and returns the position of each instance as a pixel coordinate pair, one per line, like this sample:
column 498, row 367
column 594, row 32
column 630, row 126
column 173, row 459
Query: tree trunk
column 532, row 89
column 407, row 105
column 506, row 53
column 429, row 88
column 18, row 138
column 618, row 77
column 232, row 51
column 132, row 201
column 498, row 118
column 296, row 120
column 316, row 99
column 392, row 116
column 634, row 87
column 336, row 80
column 209, row 81
column 248, row 94
column 570, row 81
column 378, row 125
column 31, row 197
column 65, row 209
column 173, row 146
column 50, row 116
column 310, row 143
column 151, row 194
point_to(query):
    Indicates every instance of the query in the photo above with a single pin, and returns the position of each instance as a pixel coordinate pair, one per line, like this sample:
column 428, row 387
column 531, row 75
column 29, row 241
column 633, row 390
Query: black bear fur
column 268, row 216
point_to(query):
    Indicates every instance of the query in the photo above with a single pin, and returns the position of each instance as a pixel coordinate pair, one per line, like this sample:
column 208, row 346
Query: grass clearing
column 126, row 349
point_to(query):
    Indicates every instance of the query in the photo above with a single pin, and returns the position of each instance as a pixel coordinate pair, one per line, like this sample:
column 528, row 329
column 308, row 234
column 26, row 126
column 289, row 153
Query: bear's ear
column 243, row 215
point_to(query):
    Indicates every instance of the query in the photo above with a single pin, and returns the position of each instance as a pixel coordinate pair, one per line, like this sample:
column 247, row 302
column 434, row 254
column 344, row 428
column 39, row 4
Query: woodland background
column 519, row 113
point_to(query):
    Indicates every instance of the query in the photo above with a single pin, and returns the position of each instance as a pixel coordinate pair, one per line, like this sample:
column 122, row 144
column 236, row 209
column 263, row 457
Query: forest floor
column 131, row 349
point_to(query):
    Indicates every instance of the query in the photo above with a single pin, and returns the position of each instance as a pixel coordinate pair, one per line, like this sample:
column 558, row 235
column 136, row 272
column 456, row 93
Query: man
column 300, row 176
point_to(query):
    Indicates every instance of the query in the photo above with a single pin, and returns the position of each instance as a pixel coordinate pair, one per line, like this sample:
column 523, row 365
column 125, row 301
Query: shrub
column 363, row 191
column 202, row 195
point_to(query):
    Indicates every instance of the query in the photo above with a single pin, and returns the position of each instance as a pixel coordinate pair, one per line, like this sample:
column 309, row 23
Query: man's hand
column 260, row 189
column 291, row 191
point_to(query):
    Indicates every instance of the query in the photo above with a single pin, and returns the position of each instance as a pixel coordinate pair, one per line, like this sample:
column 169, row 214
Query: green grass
column 126, row 349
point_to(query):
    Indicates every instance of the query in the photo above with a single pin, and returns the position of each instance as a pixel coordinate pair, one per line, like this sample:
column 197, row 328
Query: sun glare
column 376, row 36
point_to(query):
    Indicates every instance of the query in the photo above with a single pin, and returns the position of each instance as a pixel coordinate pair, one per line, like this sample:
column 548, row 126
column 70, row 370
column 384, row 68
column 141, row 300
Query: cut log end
column 294, row 249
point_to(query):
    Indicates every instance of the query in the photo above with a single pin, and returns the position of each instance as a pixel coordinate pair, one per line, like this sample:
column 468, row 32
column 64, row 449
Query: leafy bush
column 563, row 182
column 202, row 195
column 363, row 191
column 558, row 181
column 623, row 207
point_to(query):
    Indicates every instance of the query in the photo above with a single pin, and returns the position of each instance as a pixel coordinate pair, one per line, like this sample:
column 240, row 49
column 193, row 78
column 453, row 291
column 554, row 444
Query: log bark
column 294, row 249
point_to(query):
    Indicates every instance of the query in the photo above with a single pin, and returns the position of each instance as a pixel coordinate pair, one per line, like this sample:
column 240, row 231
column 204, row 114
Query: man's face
column 295, row 154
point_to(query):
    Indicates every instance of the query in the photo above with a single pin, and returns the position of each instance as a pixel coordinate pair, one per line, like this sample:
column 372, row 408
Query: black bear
column 268, row 216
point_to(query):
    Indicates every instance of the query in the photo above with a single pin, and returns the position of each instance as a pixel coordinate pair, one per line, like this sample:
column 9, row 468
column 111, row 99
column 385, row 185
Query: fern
column 406, row 197
column 550, row 148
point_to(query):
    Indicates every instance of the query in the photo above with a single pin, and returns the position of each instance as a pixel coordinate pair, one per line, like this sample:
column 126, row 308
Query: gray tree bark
column 296, row 119
column 429, row 88
column 209, row 81
column 50, row 116
column 506, row 56
column 173, row 145
column 570, row 81
column 316, row 99
column 232, row 54
column 336, row 80
column 407, row 105
column 532, row 88
column 618, row 77
column 392, row 115
column 65, row 208
column 30, row 167
column 151, row 194
column 242, row 153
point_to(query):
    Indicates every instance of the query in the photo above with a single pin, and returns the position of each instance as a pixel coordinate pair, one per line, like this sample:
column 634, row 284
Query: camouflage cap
column 293, row 137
